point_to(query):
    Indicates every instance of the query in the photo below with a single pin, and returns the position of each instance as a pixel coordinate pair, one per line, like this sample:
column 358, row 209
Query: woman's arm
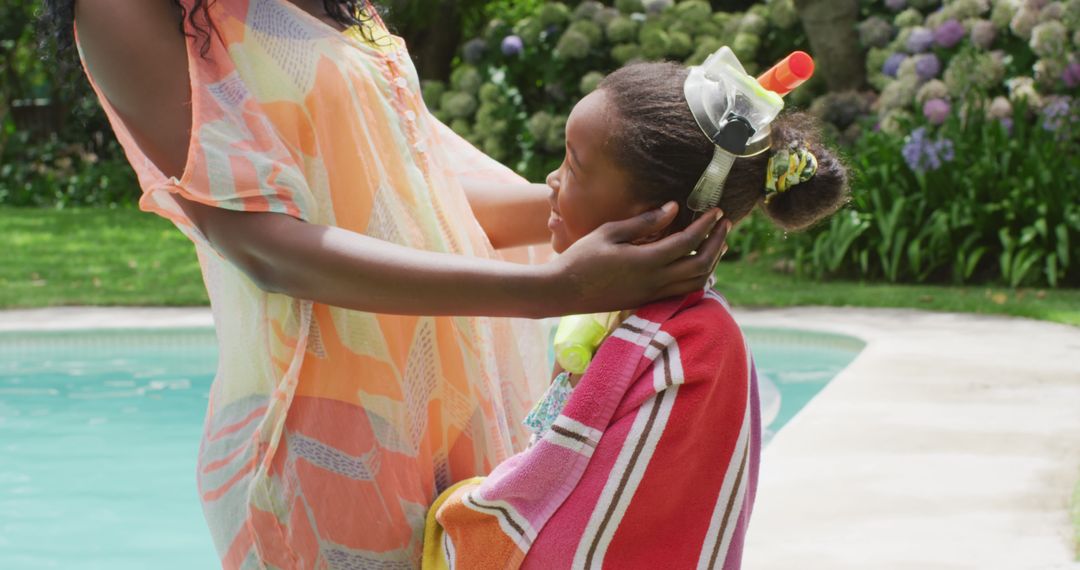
column 343, row 268
column 511, row 215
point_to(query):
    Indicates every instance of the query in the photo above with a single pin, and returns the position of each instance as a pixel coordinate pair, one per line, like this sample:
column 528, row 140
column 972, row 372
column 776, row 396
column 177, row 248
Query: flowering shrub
column 964, row 156
column 516, row 83
column 978, row 48
column 987, row 197
column 957, row 163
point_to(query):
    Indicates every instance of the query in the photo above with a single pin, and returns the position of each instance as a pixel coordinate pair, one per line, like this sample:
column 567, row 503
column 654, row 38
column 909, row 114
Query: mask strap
column 710, row 187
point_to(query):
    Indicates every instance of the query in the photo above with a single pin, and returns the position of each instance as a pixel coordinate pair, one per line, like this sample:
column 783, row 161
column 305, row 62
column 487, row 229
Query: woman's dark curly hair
column 58, row 19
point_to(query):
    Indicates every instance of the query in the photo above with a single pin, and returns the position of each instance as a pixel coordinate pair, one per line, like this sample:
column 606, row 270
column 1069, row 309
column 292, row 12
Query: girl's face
column 588, row 189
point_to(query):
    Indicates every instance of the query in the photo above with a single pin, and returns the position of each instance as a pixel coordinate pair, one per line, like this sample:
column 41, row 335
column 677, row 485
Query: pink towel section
column 652, row 464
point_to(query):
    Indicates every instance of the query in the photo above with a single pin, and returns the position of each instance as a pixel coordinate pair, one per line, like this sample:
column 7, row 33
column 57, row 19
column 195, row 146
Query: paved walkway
column 68, row 318
column 951, row 442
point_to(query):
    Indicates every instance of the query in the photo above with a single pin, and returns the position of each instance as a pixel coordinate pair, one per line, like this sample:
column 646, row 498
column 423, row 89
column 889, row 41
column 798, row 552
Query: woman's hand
column 603, row 271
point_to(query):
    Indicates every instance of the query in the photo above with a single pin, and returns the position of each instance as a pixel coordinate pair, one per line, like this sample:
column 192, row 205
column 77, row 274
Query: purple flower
column 1006, row 123
column 920, row 40
column 927, row 66
column 892, row 65
column 1071, row 75
column 1055, row 114
column 923, row 154
column 913, row 149
column 896, row 5
column 949, row 34
column 946, row 150
column 512, row 45
column 936, row 111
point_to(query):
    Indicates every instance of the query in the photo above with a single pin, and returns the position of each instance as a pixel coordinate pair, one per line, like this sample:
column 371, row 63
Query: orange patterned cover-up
column 329, row 432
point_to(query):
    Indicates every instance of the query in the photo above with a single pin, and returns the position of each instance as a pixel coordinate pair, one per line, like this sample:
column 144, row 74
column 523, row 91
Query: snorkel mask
column 735, row 110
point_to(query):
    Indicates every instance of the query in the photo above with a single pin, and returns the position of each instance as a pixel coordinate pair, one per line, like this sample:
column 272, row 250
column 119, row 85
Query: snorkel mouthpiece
column 791, row 72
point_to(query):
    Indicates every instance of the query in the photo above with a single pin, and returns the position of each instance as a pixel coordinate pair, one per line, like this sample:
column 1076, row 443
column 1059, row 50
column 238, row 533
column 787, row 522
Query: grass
column 755, row 284
column 95, row 257
column 127, row 257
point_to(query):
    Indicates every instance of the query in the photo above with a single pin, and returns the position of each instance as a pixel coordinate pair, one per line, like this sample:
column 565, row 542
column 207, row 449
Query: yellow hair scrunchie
column 788, row 167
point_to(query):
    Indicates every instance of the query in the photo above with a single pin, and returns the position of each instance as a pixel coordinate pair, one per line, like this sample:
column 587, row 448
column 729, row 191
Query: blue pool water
column 99, row 433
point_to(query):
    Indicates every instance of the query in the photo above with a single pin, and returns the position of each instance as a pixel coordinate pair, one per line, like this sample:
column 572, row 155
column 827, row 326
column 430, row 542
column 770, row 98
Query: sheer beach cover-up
column 329, row 432
column 652, row 464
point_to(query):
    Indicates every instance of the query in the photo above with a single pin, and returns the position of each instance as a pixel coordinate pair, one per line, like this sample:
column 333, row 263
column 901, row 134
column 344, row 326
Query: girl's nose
column 553, row 180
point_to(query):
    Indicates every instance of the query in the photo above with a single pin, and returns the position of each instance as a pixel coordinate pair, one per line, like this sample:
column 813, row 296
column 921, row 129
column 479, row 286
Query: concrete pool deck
column 951, row 442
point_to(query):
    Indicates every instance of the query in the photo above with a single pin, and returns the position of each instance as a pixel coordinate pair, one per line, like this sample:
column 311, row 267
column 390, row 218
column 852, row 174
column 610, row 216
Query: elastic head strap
column 710, row 187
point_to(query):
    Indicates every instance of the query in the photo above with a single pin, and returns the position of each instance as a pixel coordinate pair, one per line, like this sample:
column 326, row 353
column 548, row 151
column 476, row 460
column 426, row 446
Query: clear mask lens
column 730, row 106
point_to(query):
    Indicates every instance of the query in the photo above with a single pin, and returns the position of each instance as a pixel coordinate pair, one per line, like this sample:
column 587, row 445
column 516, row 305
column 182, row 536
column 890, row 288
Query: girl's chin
column 558, row 243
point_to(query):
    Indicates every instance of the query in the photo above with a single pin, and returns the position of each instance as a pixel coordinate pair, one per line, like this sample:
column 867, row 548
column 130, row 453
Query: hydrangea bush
column 932, row 58
column 965, row 159
column 987, row 197
column 515, row 84
column 963, row 145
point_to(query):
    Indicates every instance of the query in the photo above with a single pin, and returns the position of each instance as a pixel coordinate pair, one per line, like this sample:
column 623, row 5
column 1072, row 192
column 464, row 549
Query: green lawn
column 95, row 257
column 753, row 284
column 127, row 257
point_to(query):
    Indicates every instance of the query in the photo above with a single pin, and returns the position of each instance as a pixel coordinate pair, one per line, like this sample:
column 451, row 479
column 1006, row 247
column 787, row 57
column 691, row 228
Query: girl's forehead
column 589, row 121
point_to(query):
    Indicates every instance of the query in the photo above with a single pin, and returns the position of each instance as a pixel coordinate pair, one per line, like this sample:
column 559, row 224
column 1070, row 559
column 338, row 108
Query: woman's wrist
column 540, row 292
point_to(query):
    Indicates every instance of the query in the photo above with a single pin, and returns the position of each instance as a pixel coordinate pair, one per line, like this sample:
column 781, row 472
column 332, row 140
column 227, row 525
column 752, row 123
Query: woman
column 332, row 215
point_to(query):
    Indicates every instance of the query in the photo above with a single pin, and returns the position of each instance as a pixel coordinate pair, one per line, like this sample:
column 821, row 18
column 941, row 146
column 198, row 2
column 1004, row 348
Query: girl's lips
column 554, row 220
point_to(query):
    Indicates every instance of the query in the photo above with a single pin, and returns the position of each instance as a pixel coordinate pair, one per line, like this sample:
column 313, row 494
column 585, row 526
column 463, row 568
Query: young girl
column 652, row 462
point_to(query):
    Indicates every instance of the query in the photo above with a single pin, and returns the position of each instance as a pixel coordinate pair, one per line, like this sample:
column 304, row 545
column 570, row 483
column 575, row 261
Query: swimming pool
column 99, row 432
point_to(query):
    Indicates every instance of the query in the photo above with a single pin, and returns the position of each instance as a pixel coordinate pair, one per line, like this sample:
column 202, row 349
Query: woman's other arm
column 510, row 214
column 137, row 56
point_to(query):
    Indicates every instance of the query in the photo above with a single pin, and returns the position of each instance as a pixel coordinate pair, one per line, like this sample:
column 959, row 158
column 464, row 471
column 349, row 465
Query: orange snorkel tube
column 791, row 72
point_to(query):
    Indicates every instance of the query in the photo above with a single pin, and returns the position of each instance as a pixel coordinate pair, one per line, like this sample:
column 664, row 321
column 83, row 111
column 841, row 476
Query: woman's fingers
column 606, row 271
column 716, row 244
column 702, row 264
column 641, row 226
column 679, row 245
column 683, row 287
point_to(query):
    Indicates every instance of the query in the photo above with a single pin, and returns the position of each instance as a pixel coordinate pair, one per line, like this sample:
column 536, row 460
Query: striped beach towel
column 652, row 464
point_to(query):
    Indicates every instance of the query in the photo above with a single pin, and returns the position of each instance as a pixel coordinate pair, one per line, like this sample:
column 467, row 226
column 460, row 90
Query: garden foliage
column 968, row 163
column 517, row 81
column 56, row 148
column 964, row 145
